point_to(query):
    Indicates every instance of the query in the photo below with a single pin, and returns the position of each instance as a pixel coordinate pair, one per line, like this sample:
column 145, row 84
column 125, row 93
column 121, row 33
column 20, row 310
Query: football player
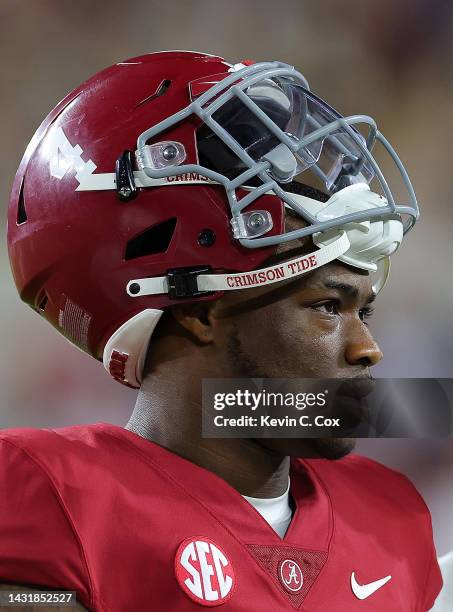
column 159, row 221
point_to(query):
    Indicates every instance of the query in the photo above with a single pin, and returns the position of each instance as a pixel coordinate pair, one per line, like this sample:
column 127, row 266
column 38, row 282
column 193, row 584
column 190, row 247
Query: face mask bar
column 233, row 86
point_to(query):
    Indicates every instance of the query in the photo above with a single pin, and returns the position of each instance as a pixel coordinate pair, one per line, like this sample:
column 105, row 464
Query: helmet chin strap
column 292, row 268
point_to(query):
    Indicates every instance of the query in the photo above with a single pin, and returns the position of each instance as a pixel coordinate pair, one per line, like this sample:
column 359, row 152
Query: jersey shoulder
column 66, row 454
column 364, row 476
column 41, row 541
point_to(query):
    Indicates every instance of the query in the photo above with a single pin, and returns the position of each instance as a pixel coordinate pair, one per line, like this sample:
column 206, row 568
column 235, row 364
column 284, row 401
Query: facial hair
column 243, row 365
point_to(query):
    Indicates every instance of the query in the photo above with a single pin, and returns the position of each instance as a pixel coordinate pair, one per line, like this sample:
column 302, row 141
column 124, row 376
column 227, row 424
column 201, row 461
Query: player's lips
column 350, row 402
column 356, row 388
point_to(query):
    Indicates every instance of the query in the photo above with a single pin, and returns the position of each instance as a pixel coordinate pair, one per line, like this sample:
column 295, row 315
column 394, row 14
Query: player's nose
column 361, row 348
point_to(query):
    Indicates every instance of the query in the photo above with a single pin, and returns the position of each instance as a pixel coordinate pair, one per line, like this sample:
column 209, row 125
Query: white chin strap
column 359, row 244
column 242, row 280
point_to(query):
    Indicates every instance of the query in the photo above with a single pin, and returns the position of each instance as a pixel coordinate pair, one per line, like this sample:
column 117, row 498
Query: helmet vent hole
column 21, row 212
column 154, row 240
column 43, row 302
column 160, row 91
column 163, row 88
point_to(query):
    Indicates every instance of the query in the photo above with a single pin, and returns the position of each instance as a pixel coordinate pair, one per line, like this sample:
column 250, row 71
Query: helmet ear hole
column 154, row 240
column 21, row 212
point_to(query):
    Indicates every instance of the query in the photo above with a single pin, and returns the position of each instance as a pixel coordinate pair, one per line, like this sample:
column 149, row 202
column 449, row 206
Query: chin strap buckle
column 182, row 282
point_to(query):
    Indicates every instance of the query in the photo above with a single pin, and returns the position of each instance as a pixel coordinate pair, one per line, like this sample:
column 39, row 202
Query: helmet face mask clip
column 161, row 155
column 124, row 177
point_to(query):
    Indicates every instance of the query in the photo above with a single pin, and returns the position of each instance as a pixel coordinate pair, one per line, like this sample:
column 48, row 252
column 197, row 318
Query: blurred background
column 391, row 60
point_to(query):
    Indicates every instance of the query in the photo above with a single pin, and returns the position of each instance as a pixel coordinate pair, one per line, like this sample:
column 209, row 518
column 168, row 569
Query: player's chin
column 320, row 448
column 332, row 448
column 310, row 448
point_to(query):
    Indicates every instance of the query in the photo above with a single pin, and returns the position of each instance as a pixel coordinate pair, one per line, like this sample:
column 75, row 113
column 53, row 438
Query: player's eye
column 329, row 307
column 366, row 313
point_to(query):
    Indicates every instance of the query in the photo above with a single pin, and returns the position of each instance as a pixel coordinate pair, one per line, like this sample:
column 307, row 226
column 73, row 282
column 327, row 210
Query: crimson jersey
column 131, row 526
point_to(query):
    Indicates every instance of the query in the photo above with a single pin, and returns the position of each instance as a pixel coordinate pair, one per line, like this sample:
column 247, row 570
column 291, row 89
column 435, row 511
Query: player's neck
column 168, row 412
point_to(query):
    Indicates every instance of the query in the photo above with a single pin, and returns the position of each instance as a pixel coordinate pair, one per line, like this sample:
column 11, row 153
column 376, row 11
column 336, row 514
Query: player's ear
column 196, row 319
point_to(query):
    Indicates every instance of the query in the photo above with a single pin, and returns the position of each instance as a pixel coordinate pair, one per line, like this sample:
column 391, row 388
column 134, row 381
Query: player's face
column 315, row 327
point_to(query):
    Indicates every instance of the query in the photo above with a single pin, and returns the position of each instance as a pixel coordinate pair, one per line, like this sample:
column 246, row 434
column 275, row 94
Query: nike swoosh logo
column 362, row 591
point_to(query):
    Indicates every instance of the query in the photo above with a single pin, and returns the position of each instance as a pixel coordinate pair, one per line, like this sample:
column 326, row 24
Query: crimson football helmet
column 165, row 178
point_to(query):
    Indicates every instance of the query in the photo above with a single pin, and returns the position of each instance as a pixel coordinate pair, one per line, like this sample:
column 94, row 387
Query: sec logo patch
column 204, row 572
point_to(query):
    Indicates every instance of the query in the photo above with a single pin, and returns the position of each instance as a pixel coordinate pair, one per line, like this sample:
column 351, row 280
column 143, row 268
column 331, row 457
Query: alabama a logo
column 290, row 575
column 204, row 572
